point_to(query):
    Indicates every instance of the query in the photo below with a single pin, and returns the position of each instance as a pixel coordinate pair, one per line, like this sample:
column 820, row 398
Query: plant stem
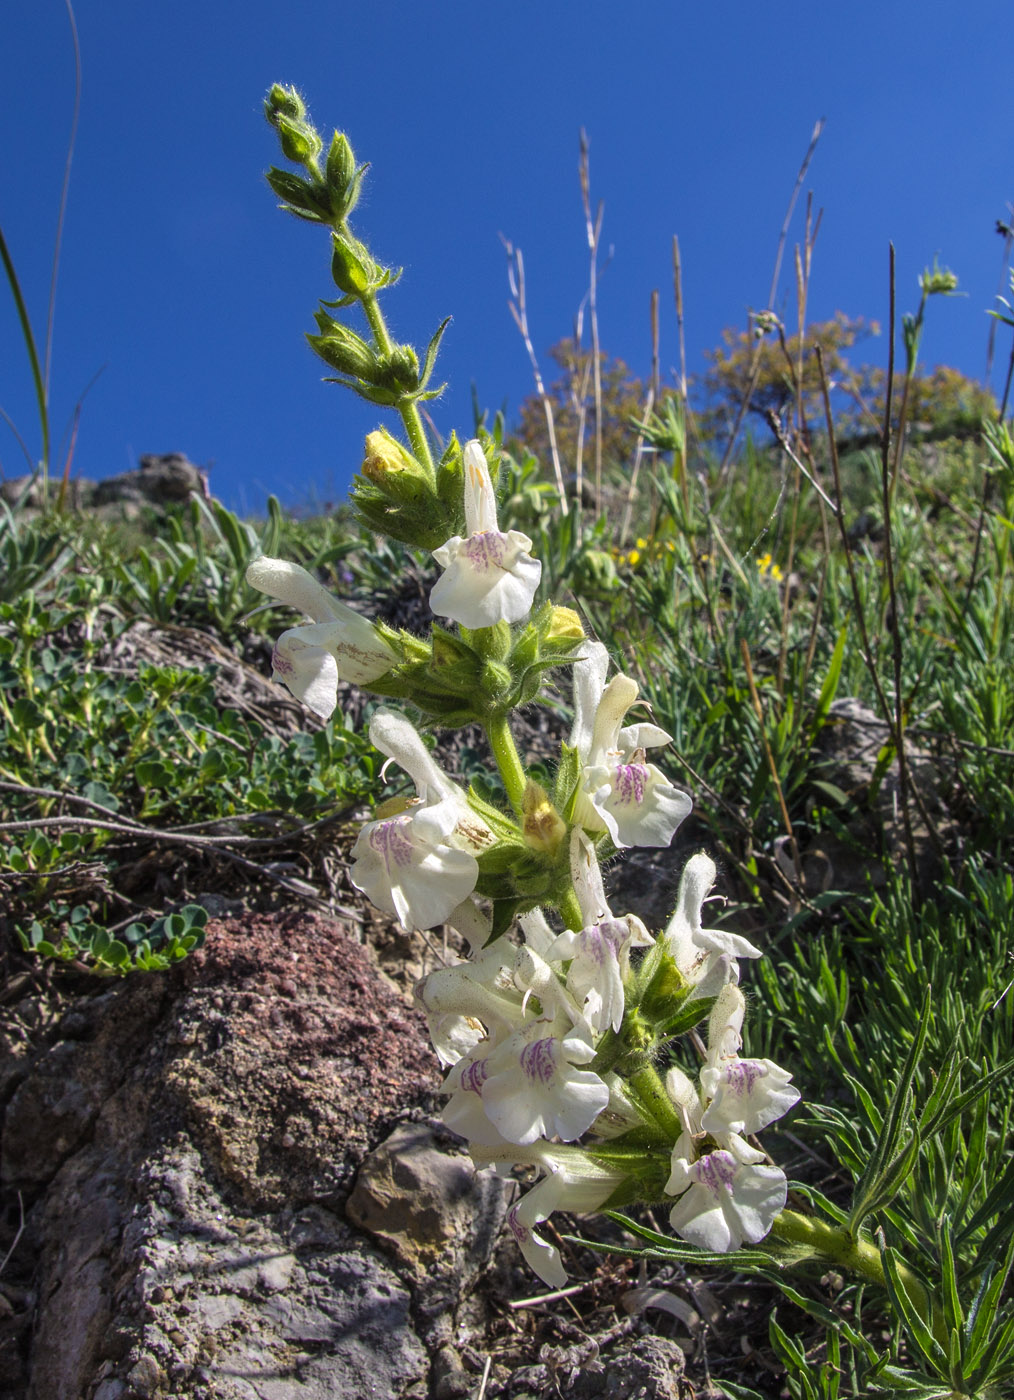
column 856, row 1256
column 647, row 1085
column 508, row 761
column 570, row 911
column 410, row 415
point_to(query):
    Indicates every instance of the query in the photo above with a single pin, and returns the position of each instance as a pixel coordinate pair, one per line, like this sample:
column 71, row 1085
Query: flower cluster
column 558, row 1032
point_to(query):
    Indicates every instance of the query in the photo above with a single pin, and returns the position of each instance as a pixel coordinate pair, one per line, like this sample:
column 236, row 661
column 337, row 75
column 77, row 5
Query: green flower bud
column 389, row 465
column 564, row 625
column 496, row 679
column 544, row 829
column 341, row 166
column 299, row 142
column 285, row 102
column 348, row 265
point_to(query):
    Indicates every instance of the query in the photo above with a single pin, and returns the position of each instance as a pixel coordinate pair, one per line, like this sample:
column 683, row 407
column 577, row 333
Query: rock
column 158, row 482
column 650, row 1368
column 426, row 1205
column 180, row 1247
column 851, row 742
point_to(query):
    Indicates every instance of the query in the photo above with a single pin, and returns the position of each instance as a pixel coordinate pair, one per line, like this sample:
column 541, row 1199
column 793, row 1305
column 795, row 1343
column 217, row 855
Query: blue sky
column 182, row 282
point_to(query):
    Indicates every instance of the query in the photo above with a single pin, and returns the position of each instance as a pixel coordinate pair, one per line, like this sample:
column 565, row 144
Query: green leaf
column 885, row 1171
column 26, row 714
column 98, row 793
column 903, row 1305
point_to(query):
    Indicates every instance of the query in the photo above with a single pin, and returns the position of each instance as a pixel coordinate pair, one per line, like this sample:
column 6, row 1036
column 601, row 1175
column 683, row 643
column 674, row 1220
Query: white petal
column 538, row 934
column 402, row 867
column 309, row 671
column 542, row 1258
column 398, row 738
column 746, row 1095
column 470, row 921
column 638, row 804
column 488, row 578
column 589, row 683
column 586, row 874
column 533, row 1091
column 291, row 584
column 728, row 1204
column 480, row 498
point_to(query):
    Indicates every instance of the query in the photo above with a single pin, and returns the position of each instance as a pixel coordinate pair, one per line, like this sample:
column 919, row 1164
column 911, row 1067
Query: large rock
column 194, row 1136
column 159, row 481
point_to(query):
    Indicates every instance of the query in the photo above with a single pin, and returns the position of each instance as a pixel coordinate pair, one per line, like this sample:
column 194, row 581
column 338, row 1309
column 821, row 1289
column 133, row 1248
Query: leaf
column 99, row 794
column 905, row 1307
column 885, row 1171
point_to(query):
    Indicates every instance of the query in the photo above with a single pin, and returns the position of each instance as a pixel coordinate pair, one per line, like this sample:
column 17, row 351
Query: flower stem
column 570, row 911
column 860, row 1257
column 410, row 415
column 501, row 741
column 649, row 1090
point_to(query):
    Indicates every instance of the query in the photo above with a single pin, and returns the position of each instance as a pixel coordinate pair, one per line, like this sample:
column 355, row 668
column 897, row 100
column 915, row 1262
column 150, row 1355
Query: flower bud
column 564, row 625
column 341, row 166
column 544, row 828
column 299, row 142
column 348, row 270
column 496, row 679
column 283, row 101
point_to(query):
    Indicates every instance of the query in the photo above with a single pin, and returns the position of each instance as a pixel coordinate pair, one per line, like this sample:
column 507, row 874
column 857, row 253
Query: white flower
column 724, row 1202
column 418, row 864
column 526, row 1088
column 705, row 957
column 633, row 800
column 743, row 1096
column 598, row 953
column 730, row 1194
column 573, row 1182
column 488, row 577
column 339, row 645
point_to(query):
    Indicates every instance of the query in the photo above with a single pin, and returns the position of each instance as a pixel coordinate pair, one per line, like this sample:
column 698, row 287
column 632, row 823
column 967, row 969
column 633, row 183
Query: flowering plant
column 559, row 1031
column 568, row 1032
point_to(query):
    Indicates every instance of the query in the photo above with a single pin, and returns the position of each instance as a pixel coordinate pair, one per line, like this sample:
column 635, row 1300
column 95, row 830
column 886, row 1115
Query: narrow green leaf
column 954, row 1315
column 903, row 1305
column 871, row 1186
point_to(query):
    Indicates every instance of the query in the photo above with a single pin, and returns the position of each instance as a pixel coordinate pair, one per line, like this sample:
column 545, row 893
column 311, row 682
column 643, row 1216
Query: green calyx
column 398, row 495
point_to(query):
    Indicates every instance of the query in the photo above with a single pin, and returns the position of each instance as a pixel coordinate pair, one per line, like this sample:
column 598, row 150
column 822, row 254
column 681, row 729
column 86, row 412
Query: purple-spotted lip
column 716, row 1171
column 538, row 1060
column 474, row 1076
column 630, row 784
column 742, row 1075
column 390, row 842
column 486, row 550
column 517, row 1227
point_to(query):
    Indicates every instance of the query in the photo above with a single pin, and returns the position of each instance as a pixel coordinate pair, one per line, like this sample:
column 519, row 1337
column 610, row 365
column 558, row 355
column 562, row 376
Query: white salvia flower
column 482, row 988
column 724, row 1202
column 527, row 1087
column 744, row 1095
column 705, row 957
column 339, row 645
column 573, row 1182
column 599, row 953
column 620, row 793
column 418, row 864
column 488, row 577
column 729, row 1195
